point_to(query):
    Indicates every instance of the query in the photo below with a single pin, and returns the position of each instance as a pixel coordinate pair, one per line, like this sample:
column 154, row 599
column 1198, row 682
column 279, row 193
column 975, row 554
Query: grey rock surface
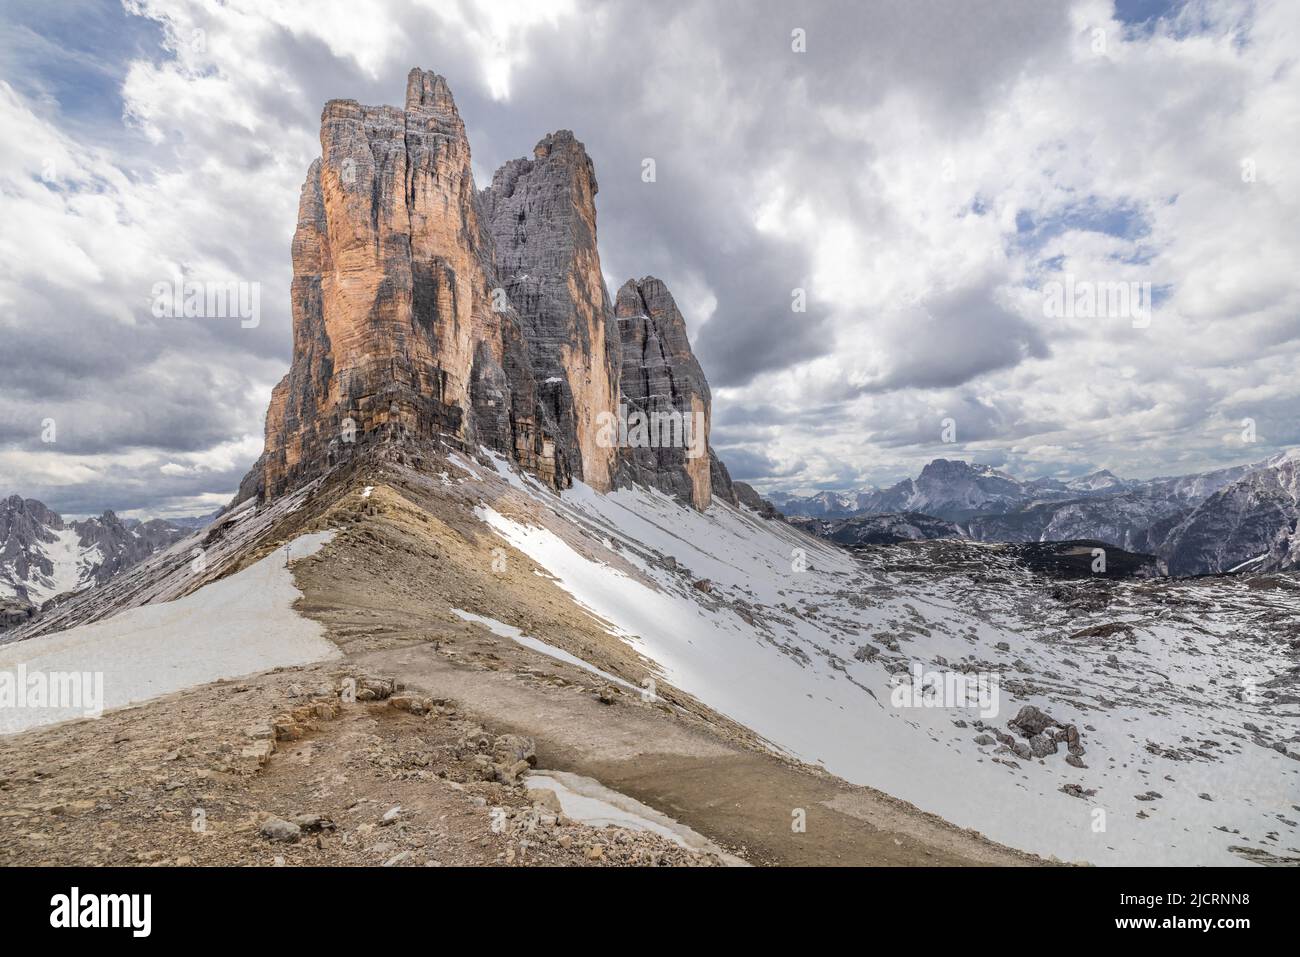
column 662, row 382
column 542, row 216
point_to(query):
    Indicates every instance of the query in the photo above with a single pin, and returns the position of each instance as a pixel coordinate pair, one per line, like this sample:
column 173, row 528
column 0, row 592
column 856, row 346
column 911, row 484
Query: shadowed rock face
column 396, row 330
column 660, row 375
column 542, row 214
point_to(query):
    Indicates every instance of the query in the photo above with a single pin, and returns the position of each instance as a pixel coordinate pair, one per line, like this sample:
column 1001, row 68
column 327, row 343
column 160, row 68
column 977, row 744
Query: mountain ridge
column 44, row 558
column 1203, row 523
column 424, row 308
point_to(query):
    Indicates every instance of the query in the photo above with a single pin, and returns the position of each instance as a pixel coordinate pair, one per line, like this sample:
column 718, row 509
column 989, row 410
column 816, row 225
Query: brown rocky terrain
column 437, row 716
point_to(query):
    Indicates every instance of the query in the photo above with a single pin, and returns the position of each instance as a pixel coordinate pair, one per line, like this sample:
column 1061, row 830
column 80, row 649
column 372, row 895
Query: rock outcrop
column 668, row 404
column 398, row 331
column 747, row 496
column 542, row 214
column 424, row 310
column 885, row 529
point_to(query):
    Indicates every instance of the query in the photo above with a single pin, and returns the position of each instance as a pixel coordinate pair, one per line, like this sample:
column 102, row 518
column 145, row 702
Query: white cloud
column 886, row 170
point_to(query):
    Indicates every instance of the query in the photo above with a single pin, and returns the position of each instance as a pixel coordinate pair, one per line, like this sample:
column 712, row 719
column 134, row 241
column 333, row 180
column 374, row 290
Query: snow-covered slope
column 1178, row 694
column 1254, row 519
column 1103, row 480
column 239, row 625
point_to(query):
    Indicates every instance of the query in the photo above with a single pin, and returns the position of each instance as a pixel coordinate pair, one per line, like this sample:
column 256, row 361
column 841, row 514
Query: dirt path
column 191, row 778
column 743, row 800
column 127, row 789
column 387, row 590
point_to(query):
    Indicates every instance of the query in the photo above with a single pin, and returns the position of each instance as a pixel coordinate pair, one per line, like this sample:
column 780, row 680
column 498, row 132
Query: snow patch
column 240, row 625
column 589, row 802
column 509, row 631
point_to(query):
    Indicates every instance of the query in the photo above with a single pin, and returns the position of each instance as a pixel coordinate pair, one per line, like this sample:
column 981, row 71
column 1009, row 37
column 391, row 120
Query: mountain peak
column 46, row 556
column 1096, row 481
column 427, row 91
column 960, row 467
column 427, row 312
column 661, row 376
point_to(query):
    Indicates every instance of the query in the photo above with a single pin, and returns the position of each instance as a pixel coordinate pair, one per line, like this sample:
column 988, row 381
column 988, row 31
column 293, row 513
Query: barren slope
column 408, row 561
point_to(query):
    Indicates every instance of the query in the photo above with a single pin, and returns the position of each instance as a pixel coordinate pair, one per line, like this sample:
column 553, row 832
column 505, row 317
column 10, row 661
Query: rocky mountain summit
column 426, row 311
column 422, row 594
column 1253, row 522
column 43, row 558
column 661, row 377
column 948, row 489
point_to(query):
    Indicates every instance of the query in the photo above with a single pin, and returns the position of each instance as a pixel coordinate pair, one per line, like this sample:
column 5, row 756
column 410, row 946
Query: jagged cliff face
column 425, row 310
column 542, row 215
column 1255, row 519
column 397, row 333
column 661, row 375
column 42, row 556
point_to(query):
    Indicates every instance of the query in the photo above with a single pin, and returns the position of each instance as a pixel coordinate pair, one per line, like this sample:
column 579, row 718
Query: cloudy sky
column 926, row 172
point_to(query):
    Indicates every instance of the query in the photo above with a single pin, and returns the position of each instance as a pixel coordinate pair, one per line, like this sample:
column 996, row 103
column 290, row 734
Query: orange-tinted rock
column 397, row 333
column 424, row 310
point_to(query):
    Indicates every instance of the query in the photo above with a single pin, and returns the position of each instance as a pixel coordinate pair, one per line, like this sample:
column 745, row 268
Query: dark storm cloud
column 125, row 489
column 696, row 220
column 747, row 464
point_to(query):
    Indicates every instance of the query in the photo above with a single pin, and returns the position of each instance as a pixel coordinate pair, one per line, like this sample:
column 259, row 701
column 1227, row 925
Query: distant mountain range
column 1204, row 523
column 43, row 557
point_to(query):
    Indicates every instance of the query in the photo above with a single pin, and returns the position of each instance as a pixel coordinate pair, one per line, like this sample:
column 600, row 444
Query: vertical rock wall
column 660, row 374
column 542, row 214
column 423, row 309
column 396, row 330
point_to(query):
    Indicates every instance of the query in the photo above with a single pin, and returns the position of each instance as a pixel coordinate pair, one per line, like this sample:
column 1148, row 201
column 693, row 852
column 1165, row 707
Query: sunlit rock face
column 424, row 309
column 397, row 331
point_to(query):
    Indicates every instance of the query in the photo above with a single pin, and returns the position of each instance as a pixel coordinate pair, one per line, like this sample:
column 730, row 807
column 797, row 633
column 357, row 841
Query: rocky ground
column 326, row 766
column 1132, row 697
column 284, row 769
column 412, row 749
